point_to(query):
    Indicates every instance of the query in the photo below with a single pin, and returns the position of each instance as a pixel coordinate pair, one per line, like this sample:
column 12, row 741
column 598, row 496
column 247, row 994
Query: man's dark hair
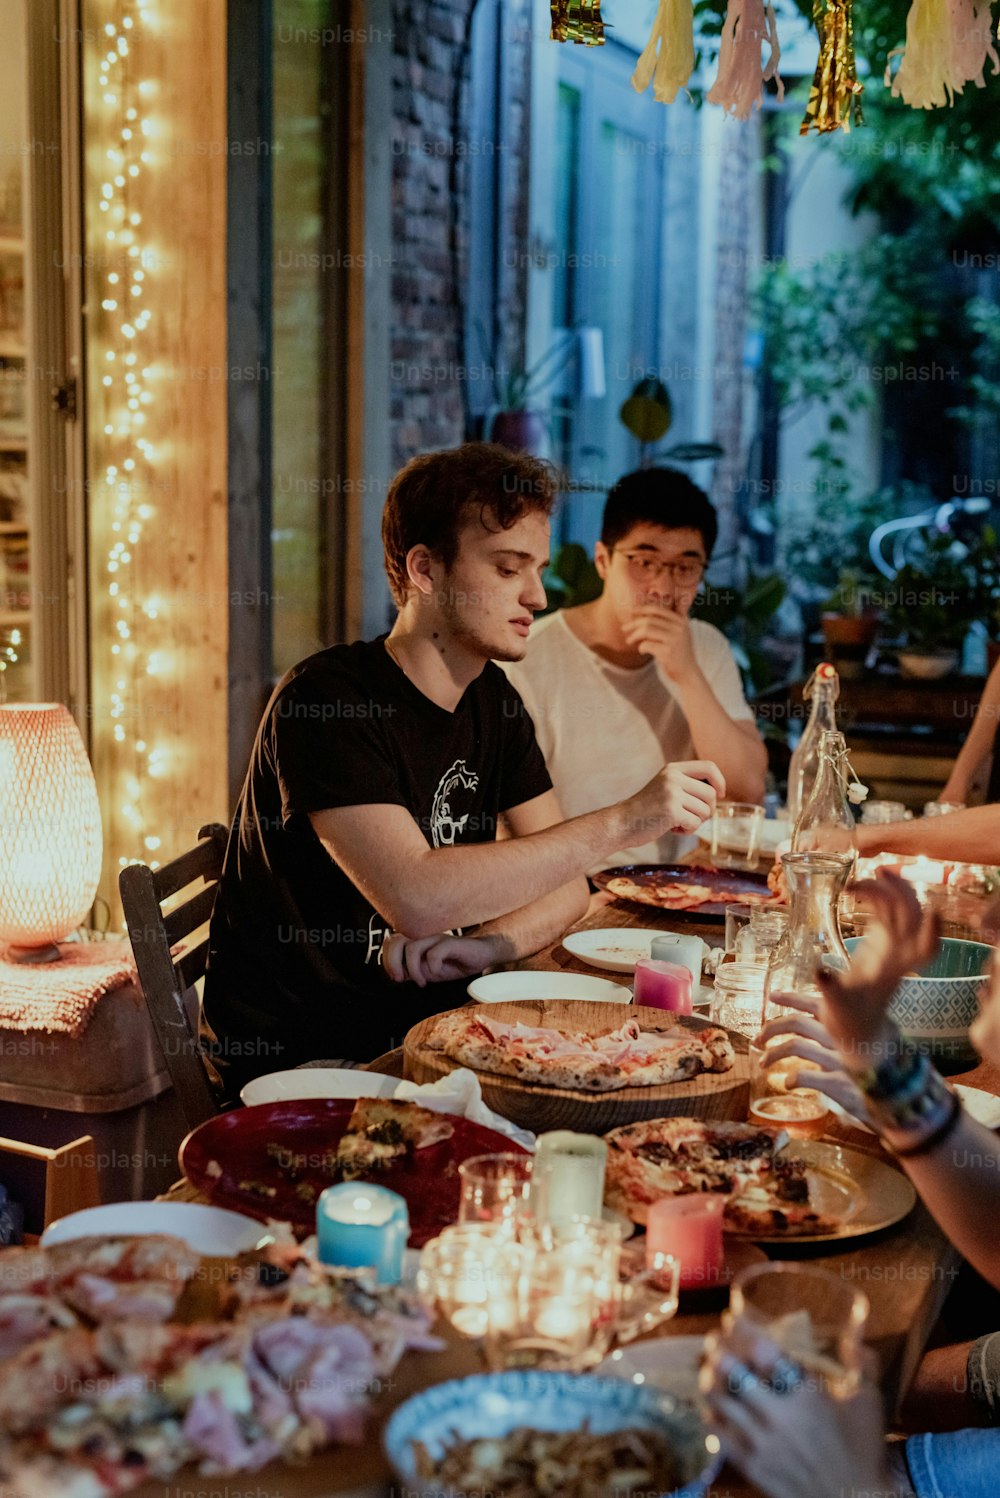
column 436, row 494
column 658, row 496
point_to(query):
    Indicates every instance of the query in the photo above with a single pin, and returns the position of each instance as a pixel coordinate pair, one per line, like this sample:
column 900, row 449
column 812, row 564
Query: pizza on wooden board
column 767, row 1193
column 578, row 1061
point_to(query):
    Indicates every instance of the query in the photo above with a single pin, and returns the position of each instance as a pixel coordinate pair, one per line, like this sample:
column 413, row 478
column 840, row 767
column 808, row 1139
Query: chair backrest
column 164, row 973
column 50, row 1183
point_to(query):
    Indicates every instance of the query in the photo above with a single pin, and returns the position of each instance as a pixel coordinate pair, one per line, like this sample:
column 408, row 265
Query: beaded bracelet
column 905, row 1092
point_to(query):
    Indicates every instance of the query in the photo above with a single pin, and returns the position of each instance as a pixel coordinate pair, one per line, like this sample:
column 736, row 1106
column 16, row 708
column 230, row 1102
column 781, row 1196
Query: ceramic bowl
column 493, row 1404
column 937, row 1006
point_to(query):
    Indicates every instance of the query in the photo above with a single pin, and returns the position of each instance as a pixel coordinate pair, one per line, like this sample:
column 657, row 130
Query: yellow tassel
column 947, row 45
column 672, row 66
column 835, row 96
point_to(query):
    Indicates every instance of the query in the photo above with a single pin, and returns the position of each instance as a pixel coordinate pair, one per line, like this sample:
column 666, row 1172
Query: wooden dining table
column 905, row 1270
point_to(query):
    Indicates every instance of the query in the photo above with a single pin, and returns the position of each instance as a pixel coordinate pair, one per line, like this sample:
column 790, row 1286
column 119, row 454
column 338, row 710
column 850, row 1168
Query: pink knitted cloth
column 60, row 997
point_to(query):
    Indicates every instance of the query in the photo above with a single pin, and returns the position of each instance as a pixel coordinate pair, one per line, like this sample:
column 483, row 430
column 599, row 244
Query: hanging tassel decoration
column 669, row 68
column 947, row 46
column 835, row 96
column 739, row 88
column 577, row 21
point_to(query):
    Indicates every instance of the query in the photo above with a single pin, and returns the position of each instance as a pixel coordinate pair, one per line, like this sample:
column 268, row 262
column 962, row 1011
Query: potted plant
column 518, row 421
column 932, row 603
column 849, row 622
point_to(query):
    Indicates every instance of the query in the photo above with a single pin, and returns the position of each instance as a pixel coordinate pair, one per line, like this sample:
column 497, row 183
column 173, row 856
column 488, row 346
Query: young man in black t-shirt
column 364, row 882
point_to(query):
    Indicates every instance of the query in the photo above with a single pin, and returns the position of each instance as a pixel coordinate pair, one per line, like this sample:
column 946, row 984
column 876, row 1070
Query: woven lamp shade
column 50, row 825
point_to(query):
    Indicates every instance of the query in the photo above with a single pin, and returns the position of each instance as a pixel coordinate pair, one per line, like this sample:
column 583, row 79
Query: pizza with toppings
column 676, row 895
column 545, row 1056
column 767, row 1193
column 381, row 1131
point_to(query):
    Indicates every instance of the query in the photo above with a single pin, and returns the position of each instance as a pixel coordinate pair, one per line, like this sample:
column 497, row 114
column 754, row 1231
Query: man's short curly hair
column 436, row 494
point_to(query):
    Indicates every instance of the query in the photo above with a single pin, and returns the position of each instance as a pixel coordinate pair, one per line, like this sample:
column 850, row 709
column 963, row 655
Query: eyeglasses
column 646, row 569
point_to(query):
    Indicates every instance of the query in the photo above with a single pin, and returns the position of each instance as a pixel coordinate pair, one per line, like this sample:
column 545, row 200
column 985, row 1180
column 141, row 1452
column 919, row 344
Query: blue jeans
column 958, row 1464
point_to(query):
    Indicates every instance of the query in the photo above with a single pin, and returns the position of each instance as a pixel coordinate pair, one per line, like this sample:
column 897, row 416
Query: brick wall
column 430, row 209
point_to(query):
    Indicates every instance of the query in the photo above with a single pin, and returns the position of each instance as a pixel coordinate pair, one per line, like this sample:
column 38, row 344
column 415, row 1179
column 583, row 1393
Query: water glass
column 817, row 1319
column 494, row 1188
column 737, row 1001
column 803, row 1112
column 460, row 1272
column 737, row 917
column 735, row 832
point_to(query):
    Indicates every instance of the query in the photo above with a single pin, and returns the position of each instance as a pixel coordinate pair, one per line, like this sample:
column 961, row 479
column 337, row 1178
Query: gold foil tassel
column 577, row 21
column 835, row 96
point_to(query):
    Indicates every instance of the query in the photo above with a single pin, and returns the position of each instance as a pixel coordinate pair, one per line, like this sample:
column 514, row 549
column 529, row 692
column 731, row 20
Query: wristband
column 937, row 1135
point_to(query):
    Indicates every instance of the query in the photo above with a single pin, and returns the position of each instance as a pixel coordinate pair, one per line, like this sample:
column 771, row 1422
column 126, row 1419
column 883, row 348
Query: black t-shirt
column 293, row 970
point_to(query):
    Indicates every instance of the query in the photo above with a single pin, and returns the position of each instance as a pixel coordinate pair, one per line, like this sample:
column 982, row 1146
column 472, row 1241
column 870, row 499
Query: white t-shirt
column 606, row 730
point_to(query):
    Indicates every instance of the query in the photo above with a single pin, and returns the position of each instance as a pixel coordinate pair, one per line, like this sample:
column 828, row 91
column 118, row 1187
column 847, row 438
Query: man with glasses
column 623, row 685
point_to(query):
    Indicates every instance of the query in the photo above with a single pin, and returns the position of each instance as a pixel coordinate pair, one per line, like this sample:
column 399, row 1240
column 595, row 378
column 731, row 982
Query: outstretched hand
column 902, row 937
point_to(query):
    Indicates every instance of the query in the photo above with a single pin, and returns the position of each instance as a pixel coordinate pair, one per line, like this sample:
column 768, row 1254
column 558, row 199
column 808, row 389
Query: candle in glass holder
column 567, row 1179
column 361, row 1226
column 662, row 985
column 690, row 1229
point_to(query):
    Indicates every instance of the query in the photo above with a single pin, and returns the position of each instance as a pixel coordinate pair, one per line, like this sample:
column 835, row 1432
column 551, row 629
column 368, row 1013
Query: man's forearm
column 740, row 756
column 971, row 836
column 526, row 931
column 479, row 882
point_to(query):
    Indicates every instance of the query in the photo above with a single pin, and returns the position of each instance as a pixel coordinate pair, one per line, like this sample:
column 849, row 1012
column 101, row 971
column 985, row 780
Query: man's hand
column 665, row 636
column 901, row 937
column 437, row 959
column 678, row 799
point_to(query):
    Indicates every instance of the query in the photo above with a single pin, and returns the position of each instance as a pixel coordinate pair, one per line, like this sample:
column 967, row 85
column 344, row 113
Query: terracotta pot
column 521, row 431
column 855, row 631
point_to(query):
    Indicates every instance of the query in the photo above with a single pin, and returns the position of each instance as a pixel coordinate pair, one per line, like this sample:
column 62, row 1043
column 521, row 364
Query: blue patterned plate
column 493, row 1404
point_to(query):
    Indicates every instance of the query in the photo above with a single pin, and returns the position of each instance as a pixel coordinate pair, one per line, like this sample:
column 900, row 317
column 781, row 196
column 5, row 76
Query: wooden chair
column 50, row 1183
column 167, row 966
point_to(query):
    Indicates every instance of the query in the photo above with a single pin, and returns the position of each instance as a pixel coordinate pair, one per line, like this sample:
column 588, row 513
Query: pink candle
column 662, row 985
column 690, row 1228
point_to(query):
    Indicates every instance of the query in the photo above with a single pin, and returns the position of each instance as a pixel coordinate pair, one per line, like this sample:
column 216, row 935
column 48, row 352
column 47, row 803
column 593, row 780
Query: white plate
column 614, row 950
column 667, row 1364
column 980, row 1105
column 317, row 1081
column 518, row 986
column 206, row 1230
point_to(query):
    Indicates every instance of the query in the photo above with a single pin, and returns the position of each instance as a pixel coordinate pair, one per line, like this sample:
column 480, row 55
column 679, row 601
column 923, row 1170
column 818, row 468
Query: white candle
column 568, row 1177
column 560, row 1320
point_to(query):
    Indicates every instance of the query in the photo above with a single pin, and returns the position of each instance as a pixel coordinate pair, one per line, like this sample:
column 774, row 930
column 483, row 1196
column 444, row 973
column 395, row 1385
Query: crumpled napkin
column 459, row 1092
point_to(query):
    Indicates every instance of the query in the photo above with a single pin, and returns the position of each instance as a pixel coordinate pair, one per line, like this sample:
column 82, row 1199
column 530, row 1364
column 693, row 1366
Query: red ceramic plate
column 728, row 886
column 227, row 1159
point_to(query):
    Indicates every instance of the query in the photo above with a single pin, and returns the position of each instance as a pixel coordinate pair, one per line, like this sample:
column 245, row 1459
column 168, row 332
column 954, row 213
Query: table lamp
column 50, row 830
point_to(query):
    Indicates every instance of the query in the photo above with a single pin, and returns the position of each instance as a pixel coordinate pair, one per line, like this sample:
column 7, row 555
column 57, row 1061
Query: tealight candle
column 663, row 985
column 686, row 951
column 689, row 1228
column 361, row 1226
column 567, row 1180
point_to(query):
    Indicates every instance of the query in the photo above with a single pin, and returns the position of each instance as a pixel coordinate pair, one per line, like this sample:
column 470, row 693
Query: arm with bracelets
column 953, row 1161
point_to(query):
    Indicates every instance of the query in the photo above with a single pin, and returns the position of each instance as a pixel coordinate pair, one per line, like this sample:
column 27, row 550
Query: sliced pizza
column 766, row 1194
column 382, row 1131
column 576, row 1060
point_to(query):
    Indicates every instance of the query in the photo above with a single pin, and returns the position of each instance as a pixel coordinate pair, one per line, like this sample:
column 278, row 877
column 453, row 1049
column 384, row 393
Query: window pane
column 623, row 248
column 297, row 185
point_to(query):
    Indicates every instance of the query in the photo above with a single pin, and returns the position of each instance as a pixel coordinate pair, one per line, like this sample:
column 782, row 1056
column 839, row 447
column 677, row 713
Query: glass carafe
column 813, row 940
column 822, row 690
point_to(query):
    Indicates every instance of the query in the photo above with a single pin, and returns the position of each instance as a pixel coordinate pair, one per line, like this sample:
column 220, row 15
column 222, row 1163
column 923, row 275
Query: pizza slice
column 382, row 1131
column 777, row 1203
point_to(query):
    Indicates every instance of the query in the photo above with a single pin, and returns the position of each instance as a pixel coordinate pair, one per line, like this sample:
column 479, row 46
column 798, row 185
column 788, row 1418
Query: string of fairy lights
column 125, row 376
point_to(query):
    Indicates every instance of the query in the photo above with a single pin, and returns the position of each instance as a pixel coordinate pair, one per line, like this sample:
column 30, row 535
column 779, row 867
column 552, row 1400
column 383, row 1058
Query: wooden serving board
column 539, row 1108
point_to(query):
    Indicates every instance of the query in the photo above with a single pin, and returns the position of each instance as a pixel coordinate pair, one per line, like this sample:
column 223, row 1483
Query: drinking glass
column 804, row 1113
column 735, row 830
column 737, row 917
column 460, row 1271
column 815, row 1317
column 494, row 1188
column 737, row 1000
column 942, row 808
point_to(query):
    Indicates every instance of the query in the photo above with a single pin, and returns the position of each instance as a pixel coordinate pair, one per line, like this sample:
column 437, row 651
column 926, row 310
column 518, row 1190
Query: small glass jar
column 738, row 998
column 884, row 813
column 758, row 938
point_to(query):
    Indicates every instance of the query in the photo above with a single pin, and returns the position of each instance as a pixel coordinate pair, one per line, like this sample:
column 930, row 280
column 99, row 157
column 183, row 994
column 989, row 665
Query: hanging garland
column 948, row 44
column 835, row 96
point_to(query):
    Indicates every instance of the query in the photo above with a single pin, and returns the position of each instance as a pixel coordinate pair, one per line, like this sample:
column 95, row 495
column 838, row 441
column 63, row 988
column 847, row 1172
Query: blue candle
column 363, row 1226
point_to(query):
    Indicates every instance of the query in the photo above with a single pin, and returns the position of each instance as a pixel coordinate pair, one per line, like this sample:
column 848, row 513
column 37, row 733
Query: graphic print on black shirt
column 294, row 972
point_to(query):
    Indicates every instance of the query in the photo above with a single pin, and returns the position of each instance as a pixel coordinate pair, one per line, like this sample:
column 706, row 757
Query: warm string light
column 130, row 456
